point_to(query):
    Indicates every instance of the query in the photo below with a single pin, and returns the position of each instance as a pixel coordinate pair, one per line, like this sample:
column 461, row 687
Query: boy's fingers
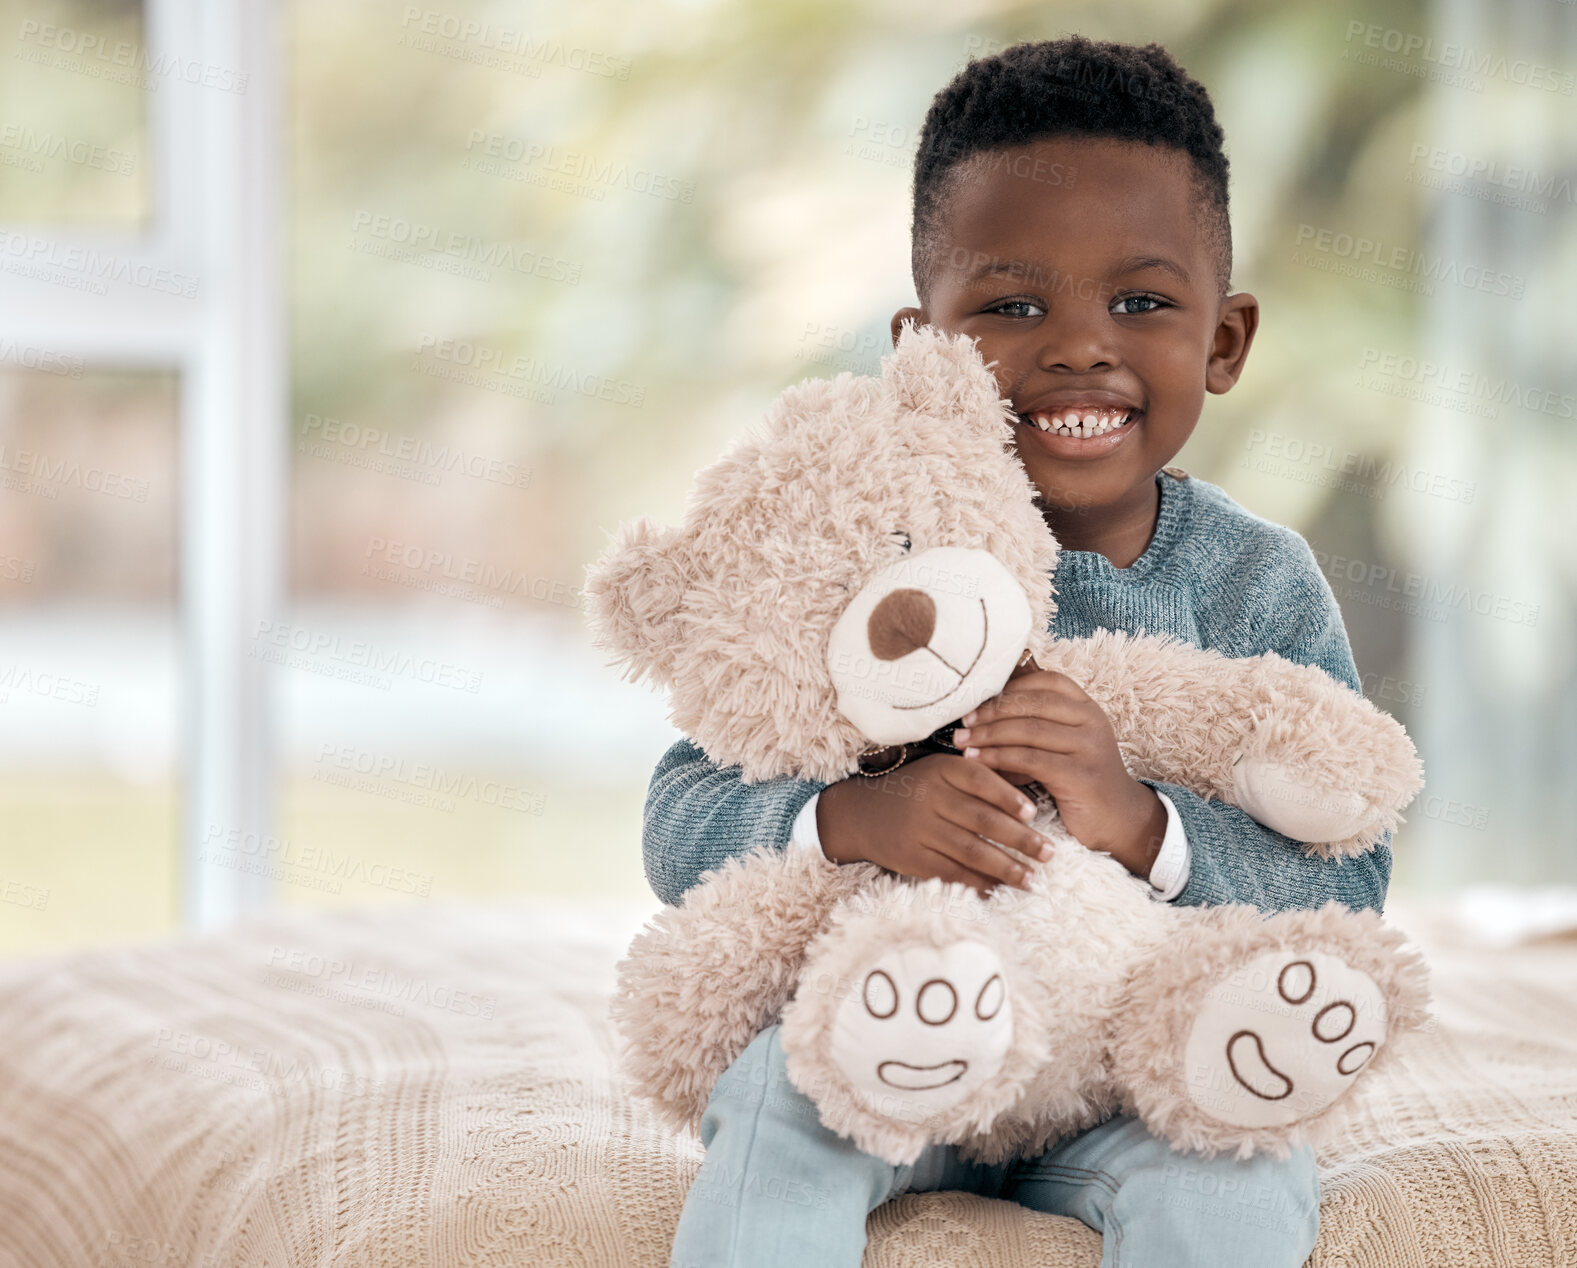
column 1035, row 733
column 1030, row 704
column 981, row 856
column 941, row 866
column 1037, row 763
column 1048, row 680
column 987, row 821
column 984, row 784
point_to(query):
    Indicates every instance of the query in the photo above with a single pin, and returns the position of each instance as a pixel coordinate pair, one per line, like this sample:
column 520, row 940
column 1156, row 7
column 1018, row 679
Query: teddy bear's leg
column 702, row 979
column 915, row 1019
column 1300, row 752
column 1245, row 1032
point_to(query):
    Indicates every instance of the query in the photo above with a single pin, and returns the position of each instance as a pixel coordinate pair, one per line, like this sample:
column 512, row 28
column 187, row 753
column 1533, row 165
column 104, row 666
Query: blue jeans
column 779, row 1190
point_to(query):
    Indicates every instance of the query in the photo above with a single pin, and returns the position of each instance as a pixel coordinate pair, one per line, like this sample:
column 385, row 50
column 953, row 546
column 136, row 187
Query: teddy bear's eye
column 902, row 538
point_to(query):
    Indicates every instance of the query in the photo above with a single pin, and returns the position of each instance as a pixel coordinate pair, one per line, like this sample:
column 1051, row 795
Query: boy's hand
column 1042, row 726
column 930, row 818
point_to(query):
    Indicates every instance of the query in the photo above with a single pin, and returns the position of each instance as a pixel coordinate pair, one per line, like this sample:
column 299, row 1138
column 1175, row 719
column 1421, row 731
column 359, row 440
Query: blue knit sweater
column 1214, row 575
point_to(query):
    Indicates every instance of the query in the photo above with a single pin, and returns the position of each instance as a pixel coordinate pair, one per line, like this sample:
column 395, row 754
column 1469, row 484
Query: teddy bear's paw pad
column 925, row 1027
column 1282, row 1038
column 1281, row 799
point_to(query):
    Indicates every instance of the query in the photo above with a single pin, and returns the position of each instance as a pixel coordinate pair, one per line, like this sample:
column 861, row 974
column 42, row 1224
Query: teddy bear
column 851, row 578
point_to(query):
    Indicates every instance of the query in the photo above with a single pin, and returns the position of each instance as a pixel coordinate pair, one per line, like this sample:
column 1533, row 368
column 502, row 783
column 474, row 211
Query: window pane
column 73, row 113
column 89, row 746
column 448, row 727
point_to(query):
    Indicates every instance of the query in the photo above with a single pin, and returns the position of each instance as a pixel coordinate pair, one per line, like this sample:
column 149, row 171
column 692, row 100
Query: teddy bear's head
column 868, row 566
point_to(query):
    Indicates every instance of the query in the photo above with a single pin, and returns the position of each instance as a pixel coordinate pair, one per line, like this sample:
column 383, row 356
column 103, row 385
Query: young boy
column 1070, row 213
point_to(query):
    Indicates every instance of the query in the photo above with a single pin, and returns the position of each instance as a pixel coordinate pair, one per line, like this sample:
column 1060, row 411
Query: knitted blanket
column 435, row 1086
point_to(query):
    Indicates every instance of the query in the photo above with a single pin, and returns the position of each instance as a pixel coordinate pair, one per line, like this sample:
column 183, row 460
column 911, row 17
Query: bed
column 435, row 1085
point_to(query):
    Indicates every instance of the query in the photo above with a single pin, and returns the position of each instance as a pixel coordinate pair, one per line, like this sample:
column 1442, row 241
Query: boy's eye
column 1017, row 308
column 1151, row 302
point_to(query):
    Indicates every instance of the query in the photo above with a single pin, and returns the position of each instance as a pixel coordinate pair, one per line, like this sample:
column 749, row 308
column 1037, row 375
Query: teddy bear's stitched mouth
column 963, row 674
column 915, row 1086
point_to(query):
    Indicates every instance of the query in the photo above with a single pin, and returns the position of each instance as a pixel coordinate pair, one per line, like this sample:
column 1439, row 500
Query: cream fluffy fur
column 731, row 613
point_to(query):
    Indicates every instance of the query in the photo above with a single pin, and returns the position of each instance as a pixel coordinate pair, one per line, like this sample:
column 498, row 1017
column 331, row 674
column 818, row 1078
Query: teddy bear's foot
column 1246, row 1031
column 1279, row 796
column 928, row 1024
column 909, row 1025
column 1282, row 1038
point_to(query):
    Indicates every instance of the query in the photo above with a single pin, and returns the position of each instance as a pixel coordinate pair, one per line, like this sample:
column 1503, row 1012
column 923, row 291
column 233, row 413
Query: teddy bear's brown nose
column 901, row 623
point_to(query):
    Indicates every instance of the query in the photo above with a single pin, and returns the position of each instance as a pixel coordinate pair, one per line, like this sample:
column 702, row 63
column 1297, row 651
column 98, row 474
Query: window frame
column 217, row 204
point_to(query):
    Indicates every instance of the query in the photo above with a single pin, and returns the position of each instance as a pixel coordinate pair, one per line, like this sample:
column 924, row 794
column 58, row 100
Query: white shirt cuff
column 1169, row 873
column 805, row 835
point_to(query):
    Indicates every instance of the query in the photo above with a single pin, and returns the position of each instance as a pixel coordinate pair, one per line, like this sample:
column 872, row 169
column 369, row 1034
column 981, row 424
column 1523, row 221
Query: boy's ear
column 904, row 318
column 635, row 592
column 942, row 376
column 1235, row 327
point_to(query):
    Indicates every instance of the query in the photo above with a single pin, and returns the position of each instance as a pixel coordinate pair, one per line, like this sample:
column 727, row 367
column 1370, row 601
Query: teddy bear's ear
column 634, row 592
column 943, row 376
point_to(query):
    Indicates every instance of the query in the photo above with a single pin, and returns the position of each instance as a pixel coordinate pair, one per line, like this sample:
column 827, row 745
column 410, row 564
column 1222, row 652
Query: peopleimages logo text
column 1356, row 249
column 1428, row 592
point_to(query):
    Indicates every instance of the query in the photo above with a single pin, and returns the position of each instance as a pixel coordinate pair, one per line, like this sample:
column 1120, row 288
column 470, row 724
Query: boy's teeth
column 1081, row 422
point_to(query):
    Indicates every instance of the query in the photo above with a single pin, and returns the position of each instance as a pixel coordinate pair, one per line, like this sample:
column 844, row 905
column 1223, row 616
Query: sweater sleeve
column 1234, row 859
column 699, row 814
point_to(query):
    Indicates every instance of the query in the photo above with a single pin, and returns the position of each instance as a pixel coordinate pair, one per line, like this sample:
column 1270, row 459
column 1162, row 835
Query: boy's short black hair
column 1066, row 87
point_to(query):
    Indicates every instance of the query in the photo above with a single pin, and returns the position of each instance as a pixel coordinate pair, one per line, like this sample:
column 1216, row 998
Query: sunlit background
column 323, row 377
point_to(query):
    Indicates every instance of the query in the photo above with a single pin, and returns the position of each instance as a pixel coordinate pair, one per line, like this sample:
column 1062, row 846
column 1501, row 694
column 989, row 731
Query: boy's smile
column 1084, row 269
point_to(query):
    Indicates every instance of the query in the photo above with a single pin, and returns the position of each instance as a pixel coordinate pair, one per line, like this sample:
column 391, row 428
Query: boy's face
column 1097, row 296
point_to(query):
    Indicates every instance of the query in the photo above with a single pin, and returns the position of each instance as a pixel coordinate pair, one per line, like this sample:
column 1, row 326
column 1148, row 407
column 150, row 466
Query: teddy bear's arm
column 1302, row 753
column 702, row 979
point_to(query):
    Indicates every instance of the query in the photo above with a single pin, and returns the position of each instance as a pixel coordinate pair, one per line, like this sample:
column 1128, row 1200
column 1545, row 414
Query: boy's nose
column 901, row 623
column 1076, row 344
column 1077, row 357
